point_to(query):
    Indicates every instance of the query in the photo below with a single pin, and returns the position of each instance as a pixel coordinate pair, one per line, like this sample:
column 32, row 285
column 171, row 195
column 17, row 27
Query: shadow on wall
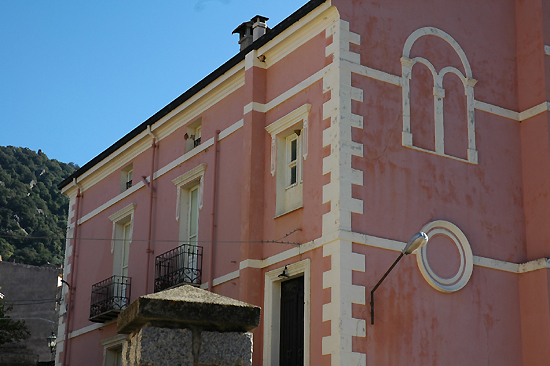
column 34, row 293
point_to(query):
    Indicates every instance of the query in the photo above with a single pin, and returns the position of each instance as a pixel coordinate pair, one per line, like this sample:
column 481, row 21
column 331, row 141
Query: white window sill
column 294, row 185
column 287, row 212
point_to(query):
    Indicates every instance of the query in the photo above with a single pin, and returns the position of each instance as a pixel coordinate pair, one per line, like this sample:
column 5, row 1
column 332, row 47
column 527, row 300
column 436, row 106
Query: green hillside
column 33, row 212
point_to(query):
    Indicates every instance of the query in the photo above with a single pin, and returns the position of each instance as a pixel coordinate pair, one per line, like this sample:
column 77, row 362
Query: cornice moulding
column 288, row 120
column 117, row 216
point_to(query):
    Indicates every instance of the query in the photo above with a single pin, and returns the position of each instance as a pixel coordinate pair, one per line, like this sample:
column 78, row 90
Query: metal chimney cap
column 259, row 18
column 242, row 29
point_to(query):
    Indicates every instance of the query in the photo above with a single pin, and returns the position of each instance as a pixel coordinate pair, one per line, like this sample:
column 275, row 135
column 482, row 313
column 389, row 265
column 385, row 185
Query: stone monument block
column 188, row 326
column 226, row 349
column 158, row 346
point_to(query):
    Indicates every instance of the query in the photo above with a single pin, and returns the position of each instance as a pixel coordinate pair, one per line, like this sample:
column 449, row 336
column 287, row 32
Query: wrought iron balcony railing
column 109, row 298
column 182, row 265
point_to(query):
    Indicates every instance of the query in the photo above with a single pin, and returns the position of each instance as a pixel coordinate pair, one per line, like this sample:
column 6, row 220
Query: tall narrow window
column 120, row 248
column 126, row 177
column 193, row 222
column 293, row 163
column 112, row 350
column 125, row 249
column 193, row 135
column 289, row 177
column 289, row 147
column 189, row 254
column 129, row 178
column 122, row 238
column 188, row 251
column 197, row 140
column 114, row 357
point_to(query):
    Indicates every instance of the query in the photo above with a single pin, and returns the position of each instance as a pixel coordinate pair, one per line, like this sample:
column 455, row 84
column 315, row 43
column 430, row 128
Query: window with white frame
column 126, row 177
column 125, row 249
column 189, row 203
column 112, row 350
column 197, row 139
column 193, row 135
column 121, row 240
column 293, row 159
column 113, row 356
column 289, row 136
column 192, row 221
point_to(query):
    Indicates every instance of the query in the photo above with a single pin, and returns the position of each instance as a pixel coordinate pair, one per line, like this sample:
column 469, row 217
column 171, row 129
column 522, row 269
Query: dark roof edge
column 278, row 29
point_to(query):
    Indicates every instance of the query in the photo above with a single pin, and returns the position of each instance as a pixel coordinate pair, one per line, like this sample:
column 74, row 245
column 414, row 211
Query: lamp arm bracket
column 378, row 284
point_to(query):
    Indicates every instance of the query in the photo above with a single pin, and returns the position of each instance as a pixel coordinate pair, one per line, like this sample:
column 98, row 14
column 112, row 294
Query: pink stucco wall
column 404, row 189
column 500, row 202
column 95, row 259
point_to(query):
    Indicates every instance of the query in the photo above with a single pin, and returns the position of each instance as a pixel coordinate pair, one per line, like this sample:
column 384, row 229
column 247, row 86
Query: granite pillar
column 188, row 326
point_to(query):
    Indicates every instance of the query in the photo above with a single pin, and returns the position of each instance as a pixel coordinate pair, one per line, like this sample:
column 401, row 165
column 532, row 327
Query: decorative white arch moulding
column 439, row 93
column 461, row 278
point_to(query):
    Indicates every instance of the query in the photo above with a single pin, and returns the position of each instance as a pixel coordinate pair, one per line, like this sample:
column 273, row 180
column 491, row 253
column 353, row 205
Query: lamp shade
column 417, row 241
column 51, row 340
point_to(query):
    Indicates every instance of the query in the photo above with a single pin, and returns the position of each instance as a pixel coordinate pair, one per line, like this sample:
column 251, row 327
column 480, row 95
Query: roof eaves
column 278, row 29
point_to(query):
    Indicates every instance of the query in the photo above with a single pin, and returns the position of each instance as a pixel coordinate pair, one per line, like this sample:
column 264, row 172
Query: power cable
column 165, row 240
column 29, row 301
column 290, row 233
column 32, row 303
column 33, row 317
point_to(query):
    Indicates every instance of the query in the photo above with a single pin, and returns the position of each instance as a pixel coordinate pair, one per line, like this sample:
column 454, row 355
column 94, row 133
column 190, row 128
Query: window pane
column 126, row 250
column 118, row 357
column 293, row 150
column 293, row 175
column 193, row 213
column 198, row 132
column 127, row 229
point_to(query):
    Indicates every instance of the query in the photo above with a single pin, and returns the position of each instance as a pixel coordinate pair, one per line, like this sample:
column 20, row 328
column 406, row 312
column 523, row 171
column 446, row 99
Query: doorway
column 291, row 351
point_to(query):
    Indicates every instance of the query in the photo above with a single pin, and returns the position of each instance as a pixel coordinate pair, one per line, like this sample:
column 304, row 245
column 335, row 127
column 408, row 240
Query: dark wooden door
column 292, row 323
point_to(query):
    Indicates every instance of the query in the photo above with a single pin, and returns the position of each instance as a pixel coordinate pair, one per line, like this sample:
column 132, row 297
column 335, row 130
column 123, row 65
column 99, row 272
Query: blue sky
column 75, row 76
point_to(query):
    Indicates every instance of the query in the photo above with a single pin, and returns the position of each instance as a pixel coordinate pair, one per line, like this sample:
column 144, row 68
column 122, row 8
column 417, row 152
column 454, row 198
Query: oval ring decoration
column 461, row 278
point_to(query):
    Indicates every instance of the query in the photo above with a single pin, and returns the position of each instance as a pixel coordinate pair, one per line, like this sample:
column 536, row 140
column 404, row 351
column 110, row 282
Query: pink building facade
column 293, row 176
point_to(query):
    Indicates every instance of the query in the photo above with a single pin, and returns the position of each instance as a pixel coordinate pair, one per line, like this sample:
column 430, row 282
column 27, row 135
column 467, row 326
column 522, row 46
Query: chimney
column 251, row 31
column 259, row 28
column 245, row 34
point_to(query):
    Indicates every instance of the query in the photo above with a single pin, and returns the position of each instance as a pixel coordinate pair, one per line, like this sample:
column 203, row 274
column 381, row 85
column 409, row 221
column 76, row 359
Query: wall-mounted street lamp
column 285, row 273
column 52, row 343
column 416, row 242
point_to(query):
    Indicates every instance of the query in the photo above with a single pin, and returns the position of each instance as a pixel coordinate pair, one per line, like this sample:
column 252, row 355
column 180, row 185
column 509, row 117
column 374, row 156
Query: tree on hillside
column 31, row 206
column 11, row 330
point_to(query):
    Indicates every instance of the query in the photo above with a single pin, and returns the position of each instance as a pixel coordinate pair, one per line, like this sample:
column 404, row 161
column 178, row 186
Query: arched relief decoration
column 454, row 114
column 422, row 110
column 438, row 91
